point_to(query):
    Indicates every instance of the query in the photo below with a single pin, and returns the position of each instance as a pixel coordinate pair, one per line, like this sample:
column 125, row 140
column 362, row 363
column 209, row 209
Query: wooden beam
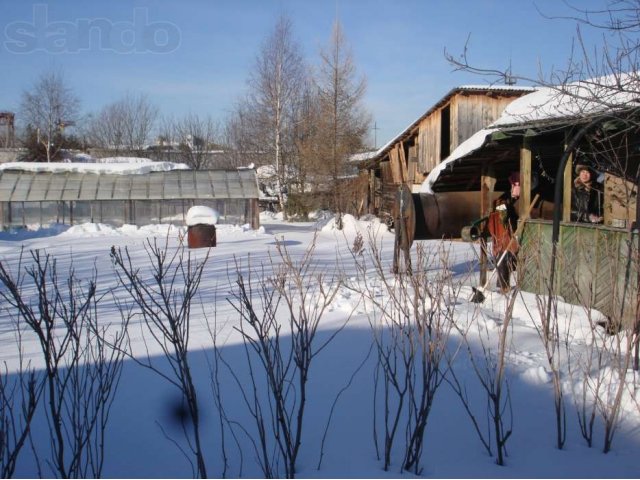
column 394, row 163
column 403, row 163
column 487, row 185
column 568, row 185
column 525, row 176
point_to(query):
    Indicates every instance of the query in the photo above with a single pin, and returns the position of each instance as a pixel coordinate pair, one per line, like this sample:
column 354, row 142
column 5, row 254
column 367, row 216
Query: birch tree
column 275, row 85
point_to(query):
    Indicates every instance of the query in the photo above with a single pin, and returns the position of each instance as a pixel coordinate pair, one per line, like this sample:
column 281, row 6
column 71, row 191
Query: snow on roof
column 582, row 98
column 517, row 88
column 473, row 143
column 114, row 165
column 362, row 156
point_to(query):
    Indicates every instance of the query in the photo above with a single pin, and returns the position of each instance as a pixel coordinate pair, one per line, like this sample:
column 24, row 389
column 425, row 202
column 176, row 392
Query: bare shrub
column 545, row 320
column 19, row 397
column 411, row 319
column 490, row 369
column 300, row 291
column 81, row 369
column 163, row 293
column 599, row 369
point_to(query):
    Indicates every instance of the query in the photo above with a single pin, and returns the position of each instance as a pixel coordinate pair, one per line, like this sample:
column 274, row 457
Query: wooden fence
column 596, row 266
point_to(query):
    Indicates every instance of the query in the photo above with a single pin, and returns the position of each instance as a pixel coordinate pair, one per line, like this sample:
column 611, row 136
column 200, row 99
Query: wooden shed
column 417, row 150
column 596, row 264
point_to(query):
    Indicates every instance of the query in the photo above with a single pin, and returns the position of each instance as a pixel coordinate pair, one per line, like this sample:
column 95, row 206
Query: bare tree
column 196, row 137
column 48, row 107
column 241, row 138
column 344, row 122
column 124, row 126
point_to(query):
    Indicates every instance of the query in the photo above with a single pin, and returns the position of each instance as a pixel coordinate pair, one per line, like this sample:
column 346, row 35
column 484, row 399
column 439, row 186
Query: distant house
column 409, row 157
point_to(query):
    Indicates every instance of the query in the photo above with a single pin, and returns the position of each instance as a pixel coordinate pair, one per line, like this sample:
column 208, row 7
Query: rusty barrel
column 201, row 236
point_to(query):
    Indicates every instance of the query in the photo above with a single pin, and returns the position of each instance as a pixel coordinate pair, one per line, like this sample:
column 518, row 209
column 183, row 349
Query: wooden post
column 487, row 185
column 255, row 214
column 525, row 176
column 568, row 185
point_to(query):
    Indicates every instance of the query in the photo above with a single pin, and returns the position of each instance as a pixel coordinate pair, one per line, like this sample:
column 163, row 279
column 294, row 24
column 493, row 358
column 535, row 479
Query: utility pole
column 375, row 135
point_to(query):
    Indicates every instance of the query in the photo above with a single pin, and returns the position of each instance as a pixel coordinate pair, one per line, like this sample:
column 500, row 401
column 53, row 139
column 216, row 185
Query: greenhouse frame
column 43, row 198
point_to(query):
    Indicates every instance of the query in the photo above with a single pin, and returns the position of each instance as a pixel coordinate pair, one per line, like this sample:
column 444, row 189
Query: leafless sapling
column 163, row 291
column 81, row 366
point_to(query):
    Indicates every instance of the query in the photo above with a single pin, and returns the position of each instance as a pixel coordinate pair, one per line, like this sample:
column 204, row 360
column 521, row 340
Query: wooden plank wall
column 429, row 142
column 473, row 113
column 596, row 266
column 468, row 114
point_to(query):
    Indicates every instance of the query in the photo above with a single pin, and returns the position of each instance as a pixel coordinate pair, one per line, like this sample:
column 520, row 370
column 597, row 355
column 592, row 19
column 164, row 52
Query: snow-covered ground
column 144, row 440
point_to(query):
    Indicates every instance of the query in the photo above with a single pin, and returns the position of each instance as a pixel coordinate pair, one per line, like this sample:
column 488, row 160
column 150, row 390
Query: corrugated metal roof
column 17, row 186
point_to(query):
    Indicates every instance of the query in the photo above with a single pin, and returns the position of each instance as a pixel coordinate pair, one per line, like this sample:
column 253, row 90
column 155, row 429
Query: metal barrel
column 436, row 216
column 201, row 236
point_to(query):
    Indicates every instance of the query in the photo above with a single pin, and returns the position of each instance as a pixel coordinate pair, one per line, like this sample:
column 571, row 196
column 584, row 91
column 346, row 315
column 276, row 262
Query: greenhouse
column 32, row 197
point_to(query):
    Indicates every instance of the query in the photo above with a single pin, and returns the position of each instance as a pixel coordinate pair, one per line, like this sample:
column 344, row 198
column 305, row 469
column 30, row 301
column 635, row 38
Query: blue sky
column 203, row 51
